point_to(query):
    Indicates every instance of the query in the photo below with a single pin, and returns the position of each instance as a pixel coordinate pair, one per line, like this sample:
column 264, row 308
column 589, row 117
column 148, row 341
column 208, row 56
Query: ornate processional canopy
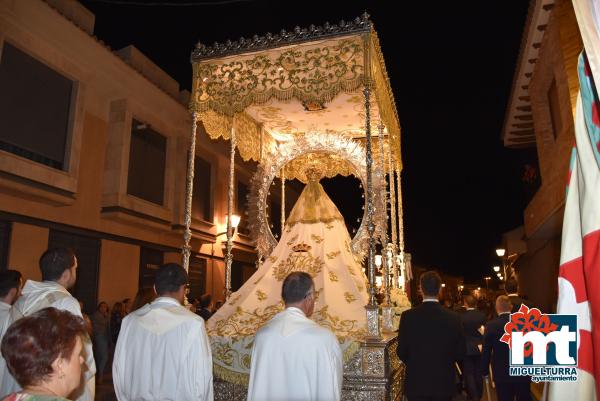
column 273, row 88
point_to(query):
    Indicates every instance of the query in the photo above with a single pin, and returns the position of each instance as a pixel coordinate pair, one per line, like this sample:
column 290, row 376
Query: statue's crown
column 301, row 247
column 313, row 173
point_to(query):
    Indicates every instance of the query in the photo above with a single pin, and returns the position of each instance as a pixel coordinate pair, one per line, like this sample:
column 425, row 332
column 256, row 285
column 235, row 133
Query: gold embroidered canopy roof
column 272, row 88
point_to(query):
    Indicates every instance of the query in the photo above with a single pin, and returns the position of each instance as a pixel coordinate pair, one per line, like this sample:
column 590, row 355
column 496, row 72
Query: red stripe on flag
column 591, row 268
column 572, row 271
column 585, row 355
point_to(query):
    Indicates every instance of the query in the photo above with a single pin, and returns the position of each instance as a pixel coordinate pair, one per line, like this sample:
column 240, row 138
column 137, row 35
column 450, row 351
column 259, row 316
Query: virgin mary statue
column 316, row 241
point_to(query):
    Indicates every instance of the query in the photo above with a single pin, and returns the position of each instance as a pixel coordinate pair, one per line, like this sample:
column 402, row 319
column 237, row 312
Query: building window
column 150, row 260
column 87, row 250
column 5, row 231
column 147, row 156
column 35, row 109
column 241, row 208
column 197, row 278
column 554, row 108
column 202, row 206
column 240, row 273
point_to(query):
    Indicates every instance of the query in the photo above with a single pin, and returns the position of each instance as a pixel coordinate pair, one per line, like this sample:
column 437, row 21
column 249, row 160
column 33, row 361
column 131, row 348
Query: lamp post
column 235, row 222
column 378, row 261
column 501, row 252
column 508, row 261
column 230, row 232
column 378, row 278
column 487, row 280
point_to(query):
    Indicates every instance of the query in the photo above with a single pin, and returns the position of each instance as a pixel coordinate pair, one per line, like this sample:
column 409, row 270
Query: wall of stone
column 27, row 244
column 111, row 90
column 557, row 62
column 538, row 271
column 119, row 271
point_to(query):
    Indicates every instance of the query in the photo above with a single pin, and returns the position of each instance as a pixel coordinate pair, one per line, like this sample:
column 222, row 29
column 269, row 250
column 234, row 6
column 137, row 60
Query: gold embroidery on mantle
column 261, row 295
column 235, row 299
column 244, row 323
column 333, row 255
column 294, row 238
column 333, row 277
column 316, row 238
column 298, row 261
column 349, row 297
column 224, row 353
column 343, row 329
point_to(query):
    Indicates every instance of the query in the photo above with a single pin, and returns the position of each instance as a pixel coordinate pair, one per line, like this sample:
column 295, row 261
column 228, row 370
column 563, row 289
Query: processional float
column 311, row 97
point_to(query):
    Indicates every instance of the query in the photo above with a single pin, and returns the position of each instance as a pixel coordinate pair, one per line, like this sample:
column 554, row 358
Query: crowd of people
column 454, row 346
column 162, row 351
column 52, row 350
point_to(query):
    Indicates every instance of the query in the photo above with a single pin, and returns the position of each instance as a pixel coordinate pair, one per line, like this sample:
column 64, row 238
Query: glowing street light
column 378, row 261
column 443, row 285
column 496, row 269
column 235, row 221
column 500, row 252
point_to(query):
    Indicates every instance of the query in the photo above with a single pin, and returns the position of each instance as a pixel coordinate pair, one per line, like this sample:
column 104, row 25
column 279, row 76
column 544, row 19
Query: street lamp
column 487, row 280
column 378, row 261
column 235, row 222
column 443, row 285
column 508, row 261
column 496, row 269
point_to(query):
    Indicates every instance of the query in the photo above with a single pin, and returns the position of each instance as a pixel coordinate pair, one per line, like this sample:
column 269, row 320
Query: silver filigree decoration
column 277, row 158
column 283, row 38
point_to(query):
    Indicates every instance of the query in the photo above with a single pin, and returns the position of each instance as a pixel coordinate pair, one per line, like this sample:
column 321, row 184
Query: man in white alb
column 10, row 289
column 59, row 272
column 163, row 351
column 294, row 358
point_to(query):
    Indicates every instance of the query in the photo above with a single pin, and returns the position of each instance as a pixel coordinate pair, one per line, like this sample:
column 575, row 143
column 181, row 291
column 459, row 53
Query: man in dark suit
column 512, row 291
column 508, row 388
column 430, row 341
column 205, row 301
column 473, row 321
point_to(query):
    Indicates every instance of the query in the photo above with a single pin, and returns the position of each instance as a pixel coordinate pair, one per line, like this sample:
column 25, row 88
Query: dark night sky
column 451, row 66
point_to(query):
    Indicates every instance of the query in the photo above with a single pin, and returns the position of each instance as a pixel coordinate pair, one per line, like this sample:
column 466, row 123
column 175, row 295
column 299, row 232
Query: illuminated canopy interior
column 272, row 88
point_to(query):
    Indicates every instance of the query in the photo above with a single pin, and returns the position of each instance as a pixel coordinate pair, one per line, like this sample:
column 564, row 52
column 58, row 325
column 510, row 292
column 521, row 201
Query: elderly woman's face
column 71, row 368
